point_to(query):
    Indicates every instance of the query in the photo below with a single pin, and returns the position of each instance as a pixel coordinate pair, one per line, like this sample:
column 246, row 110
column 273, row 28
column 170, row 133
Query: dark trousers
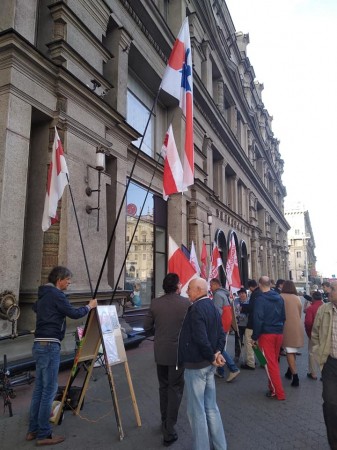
column 171, row 387
column 239, row 340
column 329, row 378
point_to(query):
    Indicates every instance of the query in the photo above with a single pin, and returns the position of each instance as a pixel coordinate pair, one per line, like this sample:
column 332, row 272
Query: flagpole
column 134, row 231
column 80, row 234
column 124, row 197
column 176, row 56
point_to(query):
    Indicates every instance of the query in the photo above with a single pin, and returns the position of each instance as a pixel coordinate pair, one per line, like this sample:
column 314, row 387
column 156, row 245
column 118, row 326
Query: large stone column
column 206, row 68
column 19, row 15
column 116, row 69
column 208, row 167
column 15, row 123
column 223, row 188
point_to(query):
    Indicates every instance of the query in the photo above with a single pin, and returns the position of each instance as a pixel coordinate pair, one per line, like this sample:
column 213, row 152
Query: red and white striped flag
column 194, row 260
column 203, row 259
column 173, row 170
column 178, row 82
column 56, row 182
column 216, row 262
column 179, row 264
column 233, row 280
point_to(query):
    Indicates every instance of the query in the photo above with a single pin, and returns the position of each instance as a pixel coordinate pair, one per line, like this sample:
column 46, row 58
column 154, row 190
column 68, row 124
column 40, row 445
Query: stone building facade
column 93, row 69
column 301, row 243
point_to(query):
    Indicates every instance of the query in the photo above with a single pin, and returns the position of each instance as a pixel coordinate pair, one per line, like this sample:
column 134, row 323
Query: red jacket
column 310, row 316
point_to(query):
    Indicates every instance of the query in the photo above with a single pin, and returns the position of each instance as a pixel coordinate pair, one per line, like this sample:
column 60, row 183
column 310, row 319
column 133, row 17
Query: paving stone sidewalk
column 251, row 420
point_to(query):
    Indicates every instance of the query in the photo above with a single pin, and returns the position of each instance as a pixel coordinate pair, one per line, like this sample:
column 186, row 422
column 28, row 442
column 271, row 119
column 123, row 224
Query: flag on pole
column 203, row 259
column 179, row 264
column 186, row 251
column 216, row 262
column 56, row 182
column 178, row 82
column 233, row 280
column 173, row 170
column 194, row 259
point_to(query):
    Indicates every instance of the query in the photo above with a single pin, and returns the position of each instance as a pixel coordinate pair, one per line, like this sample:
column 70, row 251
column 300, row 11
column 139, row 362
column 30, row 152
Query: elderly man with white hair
column 201, row 343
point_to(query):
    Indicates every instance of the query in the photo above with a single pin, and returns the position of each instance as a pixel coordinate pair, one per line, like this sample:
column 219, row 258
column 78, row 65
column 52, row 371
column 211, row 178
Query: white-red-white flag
column 179, row 264
column 194, row 260
column 173, row 170
column 216, row 262
column 233, row 280
column 178, row 82
column 56, row 182
column 203, row 259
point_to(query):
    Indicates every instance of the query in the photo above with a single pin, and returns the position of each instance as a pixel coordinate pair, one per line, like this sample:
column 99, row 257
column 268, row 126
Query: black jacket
column 52, row 308
column 201, row 335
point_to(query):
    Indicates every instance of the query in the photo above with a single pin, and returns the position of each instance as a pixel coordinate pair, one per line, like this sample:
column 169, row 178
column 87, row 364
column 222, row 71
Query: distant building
column 301, row 244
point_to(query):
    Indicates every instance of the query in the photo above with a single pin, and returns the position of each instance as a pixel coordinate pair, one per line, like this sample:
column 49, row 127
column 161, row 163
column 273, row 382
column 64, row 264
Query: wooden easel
column 93, row 338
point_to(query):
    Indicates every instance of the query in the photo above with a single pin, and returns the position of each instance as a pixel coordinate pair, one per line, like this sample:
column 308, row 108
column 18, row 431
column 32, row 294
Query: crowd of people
column 190, row 348
column 268, row 321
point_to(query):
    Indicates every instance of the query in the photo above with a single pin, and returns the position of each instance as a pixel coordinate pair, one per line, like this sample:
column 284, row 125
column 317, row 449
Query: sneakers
column 31, row 435
column 232, row 375
column 272, row 395
column 309, row 375
column 246, row 367
column 51, row 440
column 219, row 375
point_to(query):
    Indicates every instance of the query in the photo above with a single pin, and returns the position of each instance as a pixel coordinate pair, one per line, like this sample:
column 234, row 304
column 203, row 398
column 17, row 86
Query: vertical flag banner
column 178, row 82
column 194, row 259
column 173, row 170
column 216, row 262
column 203, row 259
column 56, row 182
column 233, row 281
column 179, row 264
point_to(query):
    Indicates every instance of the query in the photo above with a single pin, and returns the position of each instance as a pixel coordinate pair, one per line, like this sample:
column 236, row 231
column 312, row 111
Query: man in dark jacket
column 166, row 315
column 269, row 318
column 51, row 308
column 201, row 343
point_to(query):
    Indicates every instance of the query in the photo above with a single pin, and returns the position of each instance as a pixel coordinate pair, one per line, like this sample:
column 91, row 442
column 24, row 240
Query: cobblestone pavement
column 251, row 420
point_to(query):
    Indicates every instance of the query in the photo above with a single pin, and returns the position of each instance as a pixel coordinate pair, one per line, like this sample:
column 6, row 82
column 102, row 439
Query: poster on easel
column 112, row 335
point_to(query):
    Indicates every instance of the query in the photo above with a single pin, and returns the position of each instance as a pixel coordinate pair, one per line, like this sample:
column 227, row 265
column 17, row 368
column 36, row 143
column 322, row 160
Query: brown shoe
column 31, row 435
column 51, row 440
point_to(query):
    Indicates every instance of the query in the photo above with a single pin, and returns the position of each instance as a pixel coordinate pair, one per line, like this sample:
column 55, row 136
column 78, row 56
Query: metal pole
column 306, row 267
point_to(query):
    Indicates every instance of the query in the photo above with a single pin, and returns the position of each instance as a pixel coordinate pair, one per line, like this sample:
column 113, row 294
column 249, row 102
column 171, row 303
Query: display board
column 111, row 334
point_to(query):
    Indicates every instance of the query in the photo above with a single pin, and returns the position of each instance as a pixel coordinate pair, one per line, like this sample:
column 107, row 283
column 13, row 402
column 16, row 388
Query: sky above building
column 293, row 51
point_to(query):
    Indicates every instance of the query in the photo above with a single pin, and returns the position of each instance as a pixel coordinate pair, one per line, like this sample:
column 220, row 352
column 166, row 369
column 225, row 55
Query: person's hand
column 220, row 360
column 93, row 303
column 253, row 343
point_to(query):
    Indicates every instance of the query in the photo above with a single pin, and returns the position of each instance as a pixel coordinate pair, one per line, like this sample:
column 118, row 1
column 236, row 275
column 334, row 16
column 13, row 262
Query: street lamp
column 209, row 223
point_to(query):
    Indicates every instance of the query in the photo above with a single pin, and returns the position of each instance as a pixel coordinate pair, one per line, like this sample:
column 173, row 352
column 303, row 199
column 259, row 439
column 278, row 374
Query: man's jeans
column 229, row 363
column 202, row 410
column 47, row 359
